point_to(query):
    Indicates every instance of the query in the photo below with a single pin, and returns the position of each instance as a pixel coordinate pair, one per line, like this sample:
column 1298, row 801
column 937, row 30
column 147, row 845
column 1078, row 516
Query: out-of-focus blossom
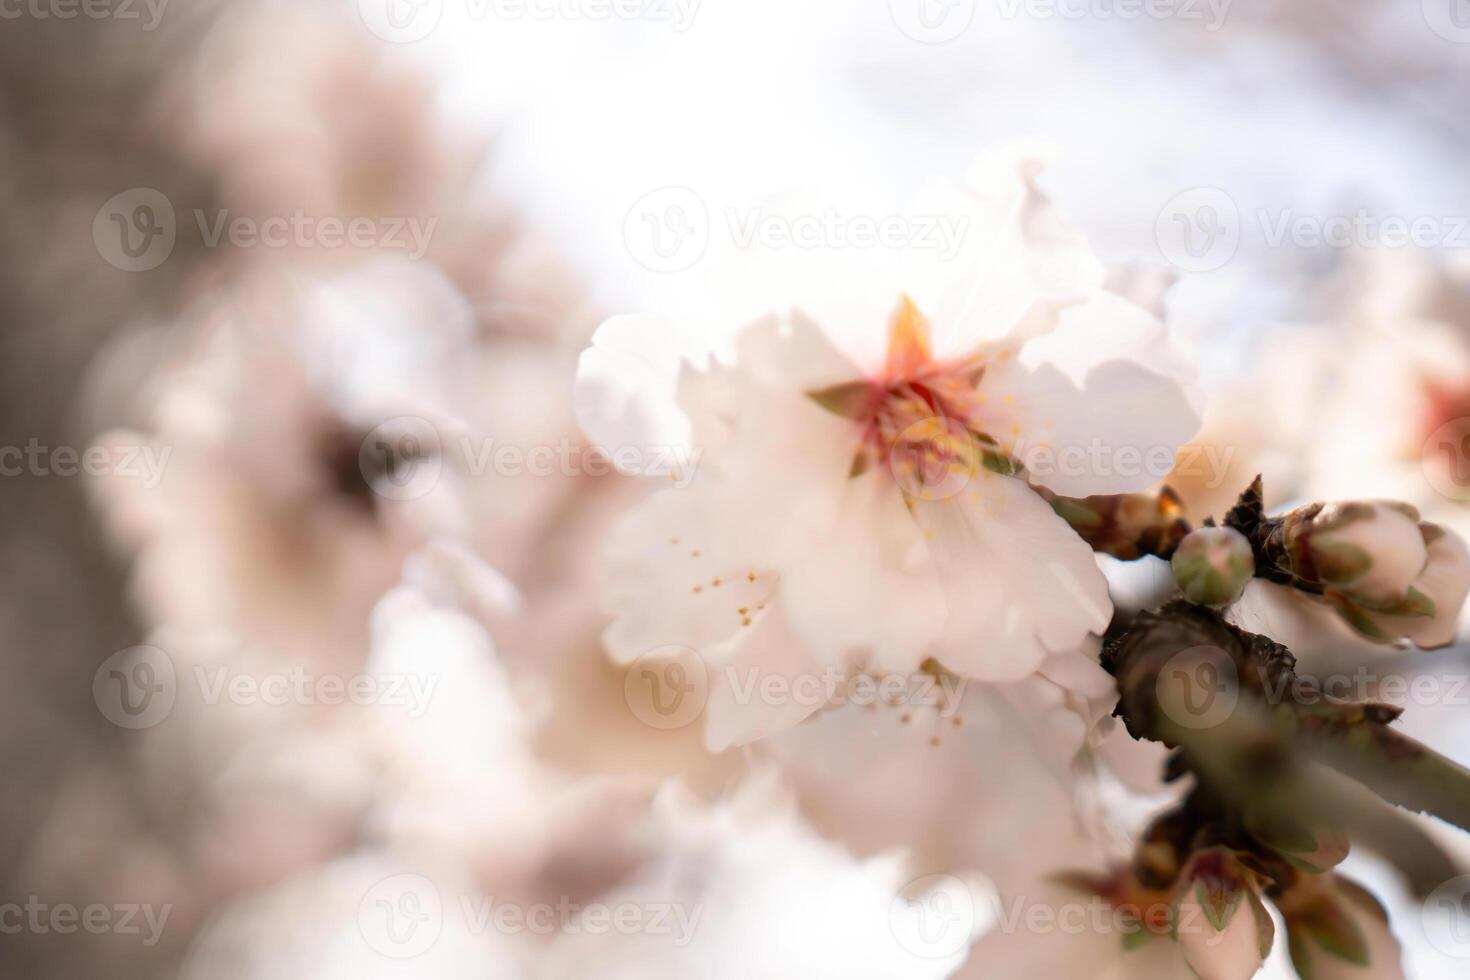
column 267, row 510
column 854, row 494
column 764, row 897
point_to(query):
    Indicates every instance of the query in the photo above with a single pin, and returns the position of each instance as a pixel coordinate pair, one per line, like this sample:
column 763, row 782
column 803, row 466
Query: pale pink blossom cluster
column 825, row 697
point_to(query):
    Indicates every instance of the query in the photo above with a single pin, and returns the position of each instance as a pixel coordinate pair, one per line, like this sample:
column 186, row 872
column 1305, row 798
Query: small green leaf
column 1412, row 603
column 1355, row 616
column 850, row 400
column 1331, row 925
column 1265, row 926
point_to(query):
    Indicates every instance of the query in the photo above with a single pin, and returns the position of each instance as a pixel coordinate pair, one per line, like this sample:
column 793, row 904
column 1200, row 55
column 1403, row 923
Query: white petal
column 626, row 385
column 682, row 565
column 1020, row 583
column 1083, row 425
column 661, row 566
column 1014, row 254
column 870, row 586
column 851, row 292
column 761, row 681
column 1446, row 580
column 1308, row 627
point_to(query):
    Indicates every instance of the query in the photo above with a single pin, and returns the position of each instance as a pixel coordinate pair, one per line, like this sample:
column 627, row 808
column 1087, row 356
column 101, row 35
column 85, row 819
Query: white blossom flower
column 853, row 498
column 751, row 892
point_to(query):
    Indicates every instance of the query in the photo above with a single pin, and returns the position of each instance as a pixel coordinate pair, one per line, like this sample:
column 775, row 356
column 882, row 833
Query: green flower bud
column 1212, row 565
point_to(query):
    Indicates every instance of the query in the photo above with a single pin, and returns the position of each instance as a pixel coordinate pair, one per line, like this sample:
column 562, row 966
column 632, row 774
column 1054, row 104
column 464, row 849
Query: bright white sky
column 741, row 99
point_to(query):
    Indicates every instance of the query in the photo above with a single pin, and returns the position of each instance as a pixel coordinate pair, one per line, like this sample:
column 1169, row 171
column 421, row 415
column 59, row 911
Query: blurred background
column 251, row 245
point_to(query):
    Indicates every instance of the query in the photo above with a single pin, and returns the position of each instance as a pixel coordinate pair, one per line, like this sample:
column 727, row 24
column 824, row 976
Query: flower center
column 919, row 416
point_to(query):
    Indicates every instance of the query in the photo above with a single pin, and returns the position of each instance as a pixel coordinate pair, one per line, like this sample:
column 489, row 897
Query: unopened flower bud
column 1213, row 564
column 1338, row 931
column 1221, row 923
column 1370, row 549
